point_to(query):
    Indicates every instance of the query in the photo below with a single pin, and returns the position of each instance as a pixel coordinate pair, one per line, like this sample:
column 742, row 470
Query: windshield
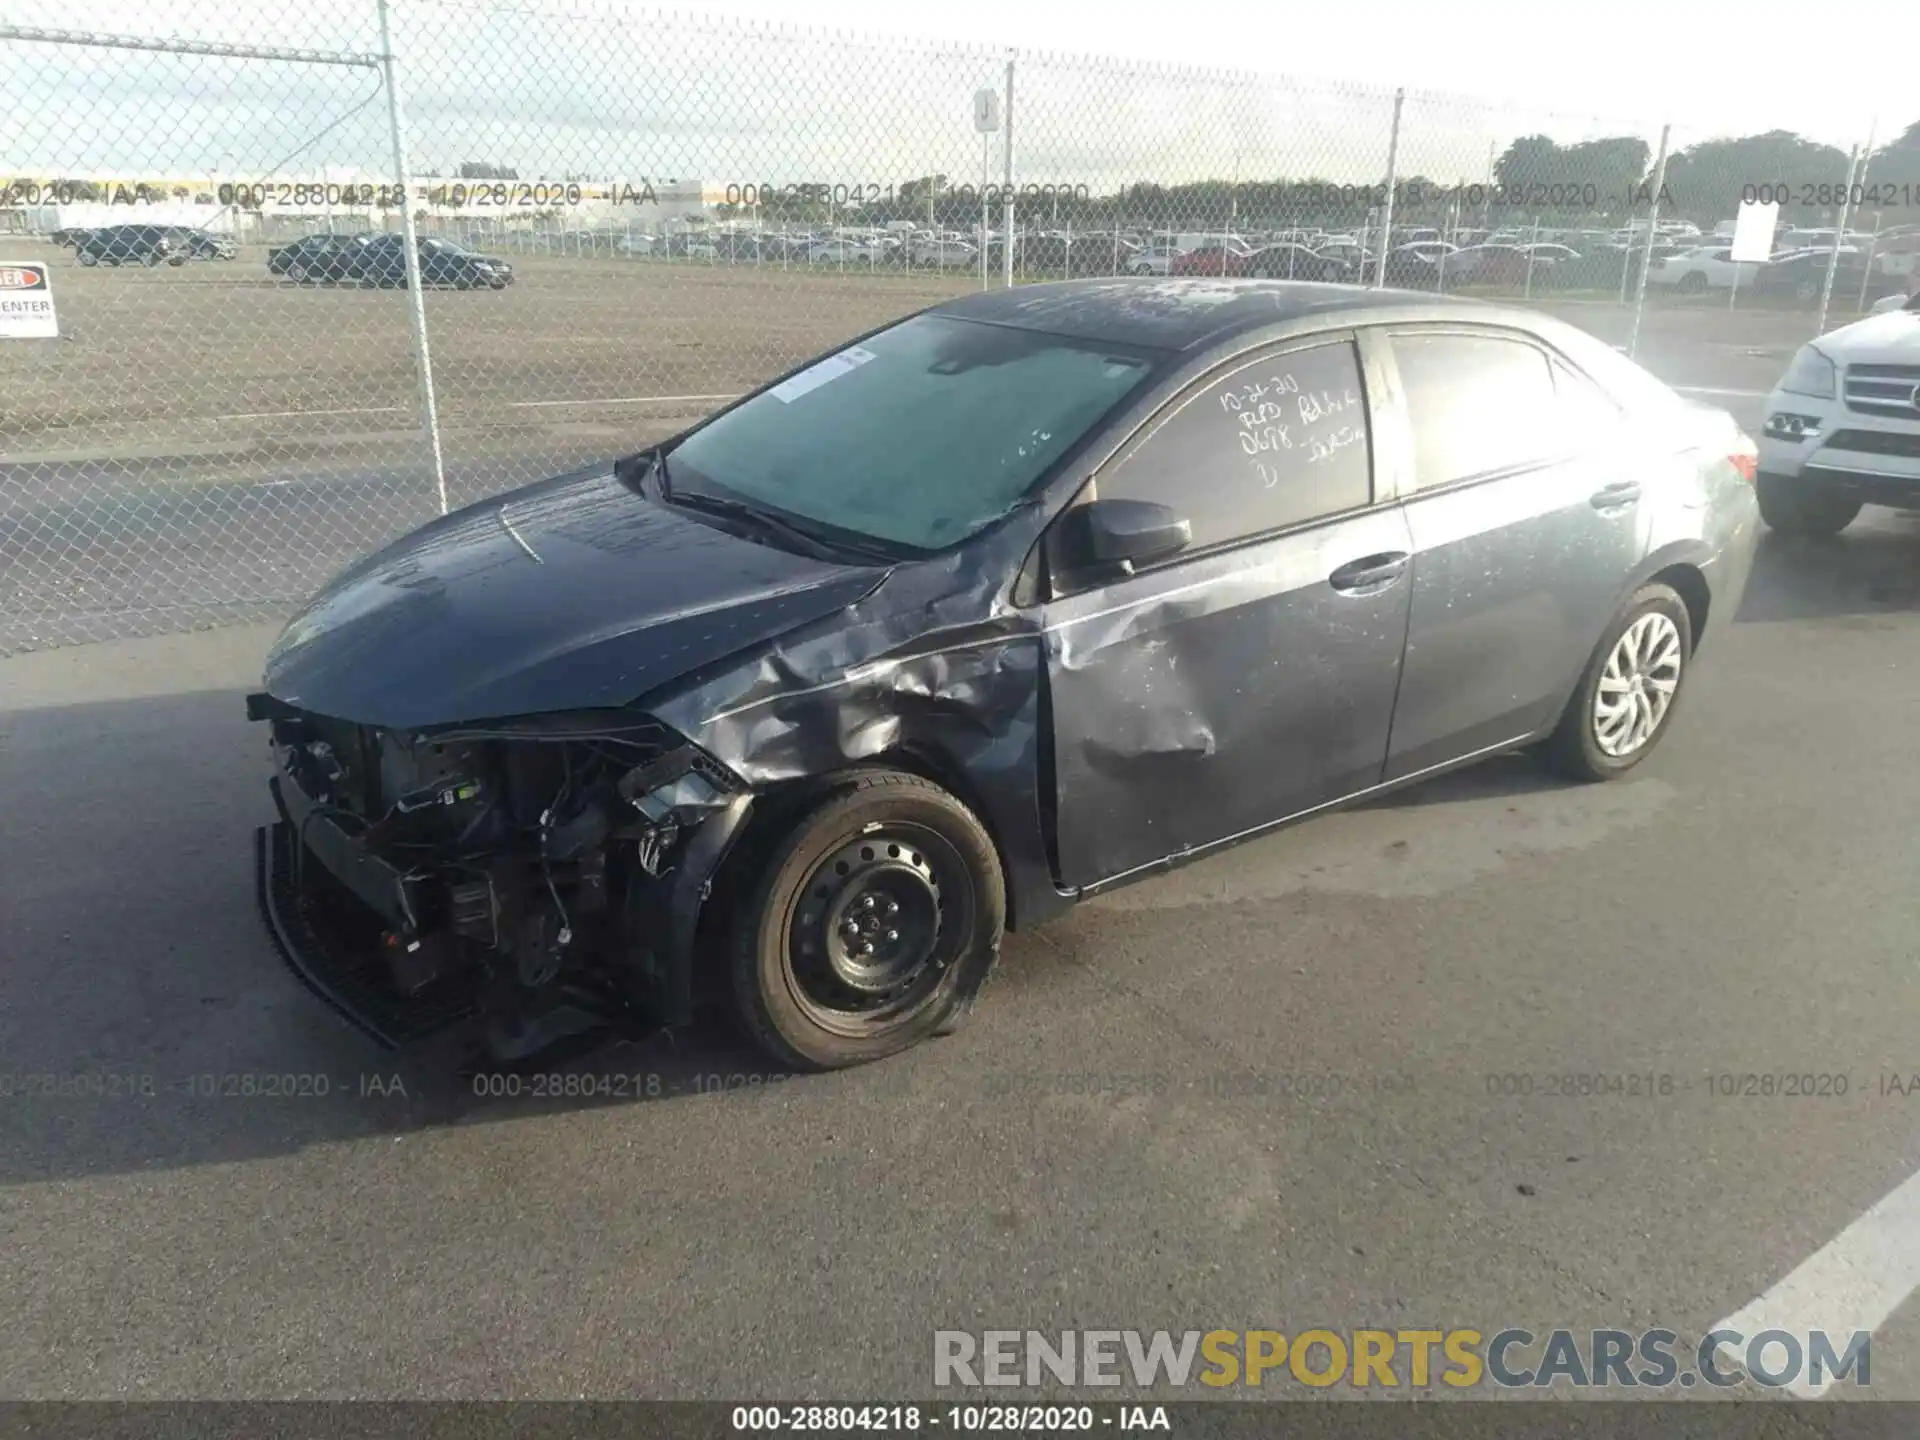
column 919, row 436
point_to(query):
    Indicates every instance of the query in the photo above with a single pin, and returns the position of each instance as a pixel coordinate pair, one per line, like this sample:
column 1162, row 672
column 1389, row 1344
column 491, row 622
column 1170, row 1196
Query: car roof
column 1192, row 313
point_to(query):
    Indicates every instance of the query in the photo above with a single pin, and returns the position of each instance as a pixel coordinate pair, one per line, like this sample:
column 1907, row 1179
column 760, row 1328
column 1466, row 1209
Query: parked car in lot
column 1287, row 261
column 946, row 254
column 130, row 245
column 742, row 247
column 1060, row 256
column 1843, row 426
column 199, row 244
column 1154, row 259
column 865, row 253
column 1416, row 265
column 382, row 260
column 1505, row 265
column 1802, row 276
column 996, row 608
column 1702, row 268
column 68, row 236
column 316, row 257
column 1215, row 257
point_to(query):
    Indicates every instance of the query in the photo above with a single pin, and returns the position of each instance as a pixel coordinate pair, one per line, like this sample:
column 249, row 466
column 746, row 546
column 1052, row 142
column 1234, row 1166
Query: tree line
column 1605, row 181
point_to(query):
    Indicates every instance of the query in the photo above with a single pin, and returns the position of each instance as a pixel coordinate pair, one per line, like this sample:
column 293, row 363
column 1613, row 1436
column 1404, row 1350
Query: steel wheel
column 1637, row 687
column 871, row 934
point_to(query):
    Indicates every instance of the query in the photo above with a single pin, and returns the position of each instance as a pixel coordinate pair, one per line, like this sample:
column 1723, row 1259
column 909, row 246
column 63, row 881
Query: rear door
column 1527, row 520
column 1251, row 677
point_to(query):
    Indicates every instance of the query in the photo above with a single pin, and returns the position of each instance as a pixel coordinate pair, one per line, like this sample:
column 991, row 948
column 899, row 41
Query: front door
column 1251, row 677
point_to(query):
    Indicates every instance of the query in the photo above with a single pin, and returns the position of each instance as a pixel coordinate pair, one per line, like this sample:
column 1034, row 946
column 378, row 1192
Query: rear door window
column 1479, row 405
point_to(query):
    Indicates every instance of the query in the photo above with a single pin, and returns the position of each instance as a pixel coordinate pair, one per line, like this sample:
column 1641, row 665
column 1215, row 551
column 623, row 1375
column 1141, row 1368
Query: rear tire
column 887, row 861
column 1793, row 509
column 1628, row 693
column 87, row 257
column 1692, row 283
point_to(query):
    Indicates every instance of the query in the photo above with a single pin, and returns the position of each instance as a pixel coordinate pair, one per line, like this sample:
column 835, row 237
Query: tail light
column 1746, row 460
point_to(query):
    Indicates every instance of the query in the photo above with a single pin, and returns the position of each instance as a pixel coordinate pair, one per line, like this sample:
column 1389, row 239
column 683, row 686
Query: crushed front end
column 538, row 879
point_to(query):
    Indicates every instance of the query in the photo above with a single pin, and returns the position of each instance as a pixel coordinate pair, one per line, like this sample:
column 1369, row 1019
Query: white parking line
column 1853, row 1282
column 295, row 414
column 506, row 405
column 614, row 400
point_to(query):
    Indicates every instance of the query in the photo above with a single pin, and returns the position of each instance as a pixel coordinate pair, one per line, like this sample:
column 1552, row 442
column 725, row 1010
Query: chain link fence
column 620, row 219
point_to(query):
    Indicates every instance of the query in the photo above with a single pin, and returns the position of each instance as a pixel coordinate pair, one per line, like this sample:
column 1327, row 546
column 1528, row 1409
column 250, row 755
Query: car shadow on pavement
column 1871, row 568
column 146, row 1020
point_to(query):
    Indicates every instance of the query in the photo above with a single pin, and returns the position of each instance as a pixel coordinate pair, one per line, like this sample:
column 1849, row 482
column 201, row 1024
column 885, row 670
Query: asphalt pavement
column 1281, row 1088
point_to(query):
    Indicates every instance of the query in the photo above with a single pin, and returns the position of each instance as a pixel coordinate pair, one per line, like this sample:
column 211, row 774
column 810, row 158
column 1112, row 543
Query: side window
column 1478, row 405
column 1586, row 411
column 1274, row 442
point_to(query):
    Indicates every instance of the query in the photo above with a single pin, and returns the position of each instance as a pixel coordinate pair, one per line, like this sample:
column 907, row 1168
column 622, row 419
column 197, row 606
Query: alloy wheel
column 1638, row 685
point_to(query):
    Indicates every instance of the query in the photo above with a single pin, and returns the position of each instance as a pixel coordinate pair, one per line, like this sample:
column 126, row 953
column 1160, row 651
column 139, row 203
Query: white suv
column 1843, row 426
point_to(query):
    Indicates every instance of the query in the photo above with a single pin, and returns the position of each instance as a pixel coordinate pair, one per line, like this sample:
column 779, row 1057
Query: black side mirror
column 1124, row 533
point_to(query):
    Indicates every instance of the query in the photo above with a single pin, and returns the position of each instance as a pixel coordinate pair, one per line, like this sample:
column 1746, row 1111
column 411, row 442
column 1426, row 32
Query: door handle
column 1615, row 497
column 1370, row 573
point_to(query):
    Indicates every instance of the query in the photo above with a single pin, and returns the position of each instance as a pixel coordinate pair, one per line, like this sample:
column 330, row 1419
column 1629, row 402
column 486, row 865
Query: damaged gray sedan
column 1026, row 596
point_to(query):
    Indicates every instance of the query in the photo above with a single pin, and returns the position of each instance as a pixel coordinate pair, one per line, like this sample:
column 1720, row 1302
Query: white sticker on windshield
column 814, row 376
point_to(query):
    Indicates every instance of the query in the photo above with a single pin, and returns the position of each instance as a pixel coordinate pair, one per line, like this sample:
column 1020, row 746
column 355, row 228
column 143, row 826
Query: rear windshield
column 920, row 435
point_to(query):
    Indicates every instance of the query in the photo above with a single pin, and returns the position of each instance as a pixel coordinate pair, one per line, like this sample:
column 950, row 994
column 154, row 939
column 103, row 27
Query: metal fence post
column 1873, row 249
column 1855, row 175
column 1386, row 214
column 1839, row 240
column 416, row 291
column 1646, row 249
column 1006, row 244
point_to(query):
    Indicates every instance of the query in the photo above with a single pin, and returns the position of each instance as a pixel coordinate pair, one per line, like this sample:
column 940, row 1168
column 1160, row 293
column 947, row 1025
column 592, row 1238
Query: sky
column 1702, row 66
column 759, row 91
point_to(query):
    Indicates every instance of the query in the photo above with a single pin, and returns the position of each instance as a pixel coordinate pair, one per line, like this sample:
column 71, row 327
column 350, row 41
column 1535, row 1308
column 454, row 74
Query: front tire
column 1627, row 695
column 1793, row 509
column 873, row 924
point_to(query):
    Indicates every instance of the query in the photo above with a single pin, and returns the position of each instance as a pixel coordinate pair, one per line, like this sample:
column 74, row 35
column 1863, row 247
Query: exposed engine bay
column 541, row 876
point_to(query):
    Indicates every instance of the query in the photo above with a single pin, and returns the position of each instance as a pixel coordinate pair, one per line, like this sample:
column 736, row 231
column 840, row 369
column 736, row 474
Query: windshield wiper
column 802, row 536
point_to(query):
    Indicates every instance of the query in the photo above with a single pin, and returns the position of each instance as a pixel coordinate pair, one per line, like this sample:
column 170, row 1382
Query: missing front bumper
column 332, row 943
column 331, row 925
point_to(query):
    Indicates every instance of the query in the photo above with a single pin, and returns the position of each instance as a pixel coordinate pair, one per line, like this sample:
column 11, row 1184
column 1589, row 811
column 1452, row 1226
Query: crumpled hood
column 574, row 593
